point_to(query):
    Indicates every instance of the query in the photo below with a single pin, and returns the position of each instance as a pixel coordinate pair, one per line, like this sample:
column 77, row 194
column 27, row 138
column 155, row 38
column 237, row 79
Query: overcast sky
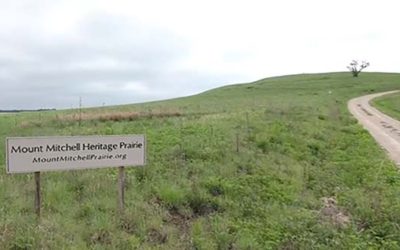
column 115, row 52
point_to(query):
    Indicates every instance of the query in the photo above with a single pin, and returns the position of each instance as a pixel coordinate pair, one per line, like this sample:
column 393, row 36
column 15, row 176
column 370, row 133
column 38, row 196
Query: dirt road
column 383, row 128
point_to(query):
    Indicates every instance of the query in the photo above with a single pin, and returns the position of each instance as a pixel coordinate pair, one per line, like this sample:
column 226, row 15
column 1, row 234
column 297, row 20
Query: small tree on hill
column 355, row 67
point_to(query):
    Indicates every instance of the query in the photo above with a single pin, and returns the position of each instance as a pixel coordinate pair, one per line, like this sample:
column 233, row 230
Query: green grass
column 240, row 167
column 389, row 104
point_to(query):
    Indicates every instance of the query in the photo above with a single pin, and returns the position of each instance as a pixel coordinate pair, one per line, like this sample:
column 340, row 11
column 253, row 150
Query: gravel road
column 383, row 128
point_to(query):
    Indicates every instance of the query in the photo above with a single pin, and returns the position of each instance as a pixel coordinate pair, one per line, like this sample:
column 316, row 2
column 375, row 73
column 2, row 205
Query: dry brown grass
column 117, row 116
column 102, row 116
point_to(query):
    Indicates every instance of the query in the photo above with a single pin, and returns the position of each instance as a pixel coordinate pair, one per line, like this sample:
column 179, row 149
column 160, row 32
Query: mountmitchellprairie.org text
column 88, row 157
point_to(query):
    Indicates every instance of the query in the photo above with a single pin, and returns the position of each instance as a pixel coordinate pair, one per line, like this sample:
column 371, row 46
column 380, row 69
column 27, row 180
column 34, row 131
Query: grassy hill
column 274, row 164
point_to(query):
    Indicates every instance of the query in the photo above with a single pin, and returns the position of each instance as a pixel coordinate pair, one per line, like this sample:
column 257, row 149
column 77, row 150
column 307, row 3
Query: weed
column 155, row 236
column 102, row 237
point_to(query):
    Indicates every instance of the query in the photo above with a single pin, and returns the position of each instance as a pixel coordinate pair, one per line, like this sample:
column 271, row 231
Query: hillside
column 274, row 164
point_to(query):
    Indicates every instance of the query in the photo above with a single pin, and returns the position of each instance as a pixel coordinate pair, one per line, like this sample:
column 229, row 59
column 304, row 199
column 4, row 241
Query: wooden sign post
column 121, row 189
column 237, row 142
column 38, row 197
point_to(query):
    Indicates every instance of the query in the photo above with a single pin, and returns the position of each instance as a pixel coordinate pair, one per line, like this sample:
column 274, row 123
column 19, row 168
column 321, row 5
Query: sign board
column 35, row 154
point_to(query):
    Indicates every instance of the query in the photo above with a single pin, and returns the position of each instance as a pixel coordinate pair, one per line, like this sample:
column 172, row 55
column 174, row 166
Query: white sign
column 35, row 154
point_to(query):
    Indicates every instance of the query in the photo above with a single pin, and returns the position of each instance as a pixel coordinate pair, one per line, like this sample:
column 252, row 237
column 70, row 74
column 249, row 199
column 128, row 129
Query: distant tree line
column 25, row 110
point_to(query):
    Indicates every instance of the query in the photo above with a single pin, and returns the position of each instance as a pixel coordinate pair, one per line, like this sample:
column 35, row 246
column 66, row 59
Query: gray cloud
column 108, row 60
column 52, row 52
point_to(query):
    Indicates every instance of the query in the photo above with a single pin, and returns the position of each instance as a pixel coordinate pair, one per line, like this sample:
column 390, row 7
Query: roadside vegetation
column 389, row 104
column 275, row 164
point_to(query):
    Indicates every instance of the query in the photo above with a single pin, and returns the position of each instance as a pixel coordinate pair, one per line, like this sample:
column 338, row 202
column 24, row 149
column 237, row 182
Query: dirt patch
column 179, row 219
column 102, row 237
column 156, row 237
column 331, row 212
column 128, row 225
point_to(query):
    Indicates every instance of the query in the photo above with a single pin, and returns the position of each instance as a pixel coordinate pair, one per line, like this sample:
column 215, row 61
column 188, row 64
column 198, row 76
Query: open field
column 275, row 164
